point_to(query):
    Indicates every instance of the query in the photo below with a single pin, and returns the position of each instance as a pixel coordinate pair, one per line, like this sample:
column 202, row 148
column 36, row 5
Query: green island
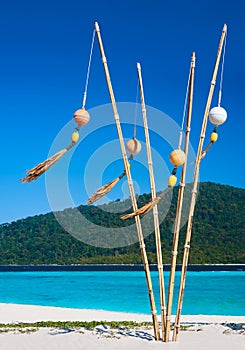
column 218, row 233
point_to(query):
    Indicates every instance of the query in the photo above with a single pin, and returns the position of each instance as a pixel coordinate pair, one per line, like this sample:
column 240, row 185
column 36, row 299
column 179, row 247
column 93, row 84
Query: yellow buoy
column 214, row 137
column 177, row 157
column 81, row 117
column 133, row 146
column 74, row 137
column 172, row 180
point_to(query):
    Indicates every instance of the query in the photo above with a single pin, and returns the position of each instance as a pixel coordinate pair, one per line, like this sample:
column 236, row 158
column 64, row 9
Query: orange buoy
column 133, row 146
column 177, row 157
column 81, row 117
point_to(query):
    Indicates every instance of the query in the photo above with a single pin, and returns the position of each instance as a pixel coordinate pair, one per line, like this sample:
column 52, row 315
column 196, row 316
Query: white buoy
column 217, row 115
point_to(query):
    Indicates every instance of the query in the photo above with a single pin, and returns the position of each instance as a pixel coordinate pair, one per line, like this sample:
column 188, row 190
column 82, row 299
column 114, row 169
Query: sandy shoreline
column 33, row 313
column 207, row 332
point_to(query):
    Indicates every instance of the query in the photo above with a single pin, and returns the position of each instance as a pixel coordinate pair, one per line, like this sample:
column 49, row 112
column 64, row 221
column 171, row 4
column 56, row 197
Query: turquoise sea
column 211, row 293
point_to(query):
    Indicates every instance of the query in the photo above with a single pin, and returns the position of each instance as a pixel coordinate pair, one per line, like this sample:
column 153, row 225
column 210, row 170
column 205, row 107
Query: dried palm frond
column 102, row 191
column 39, row 169
column 143, row 210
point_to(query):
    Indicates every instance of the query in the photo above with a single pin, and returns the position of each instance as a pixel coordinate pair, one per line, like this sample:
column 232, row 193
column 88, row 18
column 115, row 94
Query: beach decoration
column 217, row 115
column 133, row 147
column 153, row 205
column 81, row 118
column 172, row 180
column 171, row 183
column 130, row 185
column 177, row 158
column 199, row 157
column 103, row 190
column 143, row 210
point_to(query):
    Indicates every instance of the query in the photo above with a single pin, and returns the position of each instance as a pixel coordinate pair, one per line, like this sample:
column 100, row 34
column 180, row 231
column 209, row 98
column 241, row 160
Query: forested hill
column 218, row 234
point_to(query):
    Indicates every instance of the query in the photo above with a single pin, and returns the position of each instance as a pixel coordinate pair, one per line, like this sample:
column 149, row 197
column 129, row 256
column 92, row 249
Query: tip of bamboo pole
column 96, row 25
column 225, row 28
column 138, row 65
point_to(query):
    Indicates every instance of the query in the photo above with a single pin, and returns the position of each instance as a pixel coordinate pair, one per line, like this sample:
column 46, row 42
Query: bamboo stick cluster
column 165, row 310
column 180, row 203
column 83, row 118
column 155, row 200
column 131, row 187
column 194, row 187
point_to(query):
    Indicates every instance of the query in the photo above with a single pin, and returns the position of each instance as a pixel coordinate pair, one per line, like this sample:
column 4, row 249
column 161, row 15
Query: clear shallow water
column 211, row 293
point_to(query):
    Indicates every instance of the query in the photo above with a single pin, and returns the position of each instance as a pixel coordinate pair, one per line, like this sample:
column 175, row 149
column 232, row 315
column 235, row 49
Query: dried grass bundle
column 102, row 191
column 39, row 169
column 142, row 211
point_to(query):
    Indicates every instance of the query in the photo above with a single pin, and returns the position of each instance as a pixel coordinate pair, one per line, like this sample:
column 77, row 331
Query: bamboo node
column 163, row 308
column 154, row 312
column 104, row 59
column 116, row 116
column 143, row 109
column 182, row 184
column 155, row 211
column 174, row 252
column 142, row 245
column 168, row 318
column 193, row 62
column 177, row 326
column 213, row 82
column 194, row 191
column 188, row 128
column 160, row 266
column 187, row 246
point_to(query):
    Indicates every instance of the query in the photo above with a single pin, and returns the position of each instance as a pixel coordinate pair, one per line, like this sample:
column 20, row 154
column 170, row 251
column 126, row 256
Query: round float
column 81, row 117
column 177, row 157
column 217, row 115
column 133, row 146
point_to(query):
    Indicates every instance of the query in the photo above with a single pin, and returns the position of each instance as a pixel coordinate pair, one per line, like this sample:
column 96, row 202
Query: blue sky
column 44, row 54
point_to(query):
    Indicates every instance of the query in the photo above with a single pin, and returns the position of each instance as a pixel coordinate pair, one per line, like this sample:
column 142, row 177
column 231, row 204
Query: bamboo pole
column 180, row 202
column 131, row 188
column 155, row 211
column 194, row 187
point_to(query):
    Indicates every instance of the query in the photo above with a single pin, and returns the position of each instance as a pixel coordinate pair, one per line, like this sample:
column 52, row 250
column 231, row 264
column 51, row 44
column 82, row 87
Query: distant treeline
column 218, row 233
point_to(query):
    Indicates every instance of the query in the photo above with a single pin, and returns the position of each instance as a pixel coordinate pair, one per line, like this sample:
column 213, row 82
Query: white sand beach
column 206, row 332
